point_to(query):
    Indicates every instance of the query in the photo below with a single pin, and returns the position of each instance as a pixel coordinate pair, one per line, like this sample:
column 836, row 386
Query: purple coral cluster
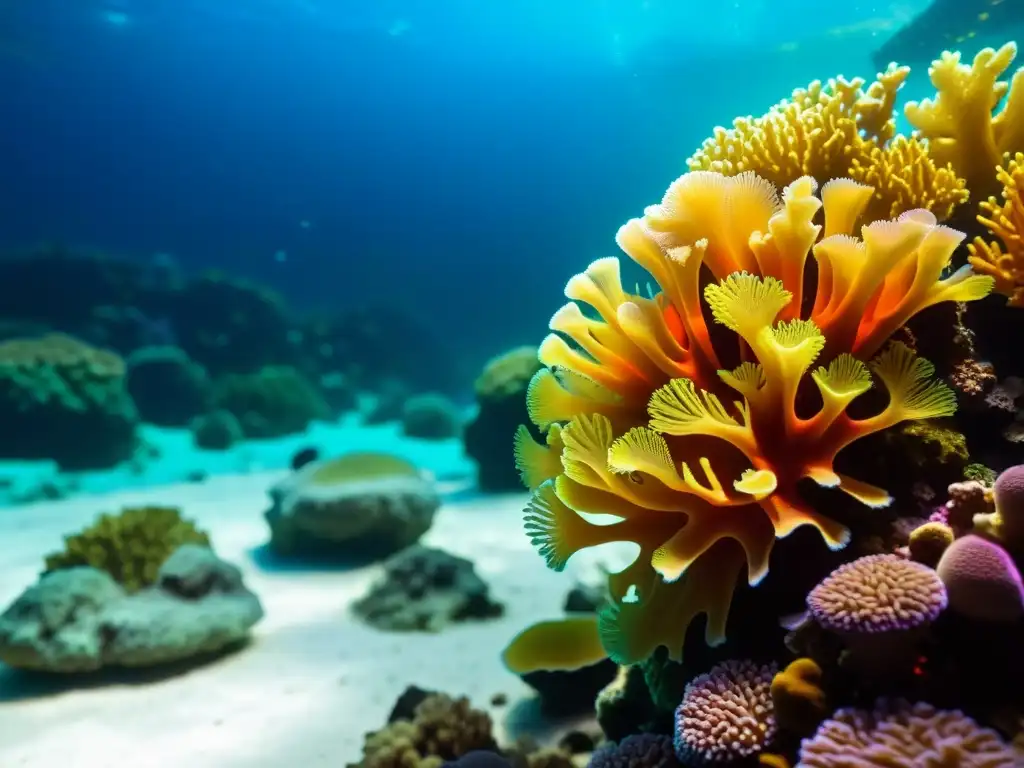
column 642, row 750
column 878, row 593
column 726, row 713
column 896, row 733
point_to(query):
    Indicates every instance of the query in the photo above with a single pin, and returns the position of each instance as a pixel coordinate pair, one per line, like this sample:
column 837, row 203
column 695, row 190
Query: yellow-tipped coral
column 695, row 441
column 1005, row 222
column 836, row 130
column 959, row 123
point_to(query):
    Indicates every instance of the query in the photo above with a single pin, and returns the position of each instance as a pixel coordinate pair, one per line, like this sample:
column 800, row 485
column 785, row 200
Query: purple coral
column 898, row 733
column 981, row 580
column 642, row 750
column 726, row 713
column 877, row 594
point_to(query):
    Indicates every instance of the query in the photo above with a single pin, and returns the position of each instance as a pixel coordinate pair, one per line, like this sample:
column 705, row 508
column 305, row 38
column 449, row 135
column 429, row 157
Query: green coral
column 55, row 389
column 933, row 442
column 980, row 473
column 130, row 546
column 274, row 401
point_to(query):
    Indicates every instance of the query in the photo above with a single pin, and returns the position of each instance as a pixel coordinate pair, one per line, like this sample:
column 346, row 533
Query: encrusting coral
column 130, row 546
column 838, row 130
column 697, row 441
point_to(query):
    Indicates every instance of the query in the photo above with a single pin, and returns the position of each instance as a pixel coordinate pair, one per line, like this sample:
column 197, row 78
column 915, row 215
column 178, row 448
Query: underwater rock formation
column 53, row 391
column 357, row 506
column 216, row 431
column 273, row 401
column 426, row 589
column 81, row 620
column 500, row 395
column 431, row 416
column 168, row 388
column 131, row 547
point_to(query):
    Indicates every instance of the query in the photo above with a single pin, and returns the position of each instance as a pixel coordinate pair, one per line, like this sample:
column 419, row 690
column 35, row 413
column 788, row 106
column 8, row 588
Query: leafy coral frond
column 679, row 408
column 746, row 303
column 913, row 392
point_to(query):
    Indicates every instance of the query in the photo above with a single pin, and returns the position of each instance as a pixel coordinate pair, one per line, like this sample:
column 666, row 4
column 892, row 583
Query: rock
column 363, row 505
column 80, row 620
column 425, row 589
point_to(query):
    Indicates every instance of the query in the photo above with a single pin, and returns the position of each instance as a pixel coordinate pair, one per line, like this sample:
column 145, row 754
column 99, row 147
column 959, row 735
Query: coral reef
column 425, row 589
column 53, row 390
column 360, row 505
column 80, row 620
column 131, row 546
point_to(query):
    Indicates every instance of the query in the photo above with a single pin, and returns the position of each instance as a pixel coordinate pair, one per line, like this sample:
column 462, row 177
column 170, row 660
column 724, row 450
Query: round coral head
column 877, row 594
column 981, row 580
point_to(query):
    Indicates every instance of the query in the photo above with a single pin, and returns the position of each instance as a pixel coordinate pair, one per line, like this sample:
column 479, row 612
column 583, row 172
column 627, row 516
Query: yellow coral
column 1005, row 222
column 837, row 130
column 959, row 124
column 696, row 448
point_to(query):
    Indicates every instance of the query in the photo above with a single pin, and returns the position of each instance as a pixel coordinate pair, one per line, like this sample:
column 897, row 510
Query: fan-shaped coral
column 837, row 129
column 696, row 442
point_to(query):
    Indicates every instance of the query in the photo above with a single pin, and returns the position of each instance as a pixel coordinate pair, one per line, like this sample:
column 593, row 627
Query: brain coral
column 898, row 734
column 726, row 713
column 696, row 437
column 878, row 593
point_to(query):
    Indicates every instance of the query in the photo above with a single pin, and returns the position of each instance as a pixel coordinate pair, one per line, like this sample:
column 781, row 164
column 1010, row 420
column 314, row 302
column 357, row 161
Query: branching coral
column 959, row 123
column 697, row 445
column 836, row 130
column 1006, row 222
column 130, row 546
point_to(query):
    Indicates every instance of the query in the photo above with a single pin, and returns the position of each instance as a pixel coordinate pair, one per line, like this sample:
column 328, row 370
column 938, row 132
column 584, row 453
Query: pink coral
column 981, row 580
column 877, row 594
column 726, row 713
column 900, row 734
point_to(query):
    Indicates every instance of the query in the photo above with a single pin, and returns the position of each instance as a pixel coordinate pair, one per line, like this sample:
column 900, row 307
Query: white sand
column 313, row 681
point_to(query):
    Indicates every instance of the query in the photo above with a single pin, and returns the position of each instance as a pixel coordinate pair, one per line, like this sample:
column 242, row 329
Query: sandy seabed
column 313, row 681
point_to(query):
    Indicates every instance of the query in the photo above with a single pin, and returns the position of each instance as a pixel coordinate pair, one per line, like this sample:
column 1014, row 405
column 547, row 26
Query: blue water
column 456, row 156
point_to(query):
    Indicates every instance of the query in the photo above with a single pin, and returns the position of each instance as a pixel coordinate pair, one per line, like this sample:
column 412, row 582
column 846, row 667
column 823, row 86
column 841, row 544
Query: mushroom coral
column 695, row 441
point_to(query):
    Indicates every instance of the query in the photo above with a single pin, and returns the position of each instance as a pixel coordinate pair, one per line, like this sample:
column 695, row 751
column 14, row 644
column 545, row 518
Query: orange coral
column 1006, row 222
column 645, row 412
